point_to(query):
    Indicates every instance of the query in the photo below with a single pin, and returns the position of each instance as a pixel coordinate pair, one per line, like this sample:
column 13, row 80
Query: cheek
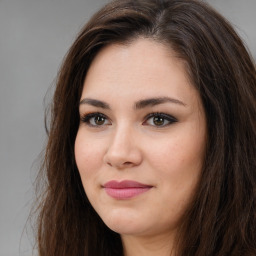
column 176, row 154
column 87, row 156
column 178, row 160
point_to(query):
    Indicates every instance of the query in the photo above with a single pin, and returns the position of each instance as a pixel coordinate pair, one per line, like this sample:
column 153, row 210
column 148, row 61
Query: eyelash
column 165, row 117
column 170, row 119
column 86, row 118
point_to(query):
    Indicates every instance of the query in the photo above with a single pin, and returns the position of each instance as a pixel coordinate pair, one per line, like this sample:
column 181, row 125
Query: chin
column 124, row 222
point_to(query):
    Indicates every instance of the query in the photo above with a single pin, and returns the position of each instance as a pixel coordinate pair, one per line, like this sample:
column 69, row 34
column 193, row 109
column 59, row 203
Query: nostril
column 122, row 157
column 109, row 164
column 121, row 165
column 127, row 163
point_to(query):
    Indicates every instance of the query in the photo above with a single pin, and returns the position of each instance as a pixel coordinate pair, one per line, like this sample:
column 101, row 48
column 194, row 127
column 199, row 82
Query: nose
column 123, row 150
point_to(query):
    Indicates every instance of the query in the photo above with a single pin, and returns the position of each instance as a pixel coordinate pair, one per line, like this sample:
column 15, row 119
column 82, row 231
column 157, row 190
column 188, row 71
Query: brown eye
column 95, row 119
column 158, row 121
column 99, row 120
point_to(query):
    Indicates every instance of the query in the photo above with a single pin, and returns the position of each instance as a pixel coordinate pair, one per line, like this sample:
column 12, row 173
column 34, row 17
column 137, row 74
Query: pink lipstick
column 125, row 189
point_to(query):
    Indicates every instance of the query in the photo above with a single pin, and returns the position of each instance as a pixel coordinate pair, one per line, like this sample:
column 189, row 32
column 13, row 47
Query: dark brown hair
column 222, row 217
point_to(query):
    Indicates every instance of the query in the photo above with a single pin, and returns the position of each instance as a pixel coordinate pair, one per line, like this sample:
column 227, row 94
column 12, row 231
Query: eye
column 159, row 120
column 95, row 119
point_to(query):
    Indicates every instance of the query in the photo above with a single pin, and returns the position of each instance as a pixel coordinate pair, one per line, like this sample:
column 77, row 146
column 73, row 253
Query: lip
column 125, row 189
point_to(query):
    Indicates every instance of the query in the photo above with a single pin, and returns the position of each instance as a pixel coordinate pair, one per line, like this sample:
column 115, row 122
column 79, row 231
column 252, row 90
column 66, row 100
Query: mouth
column 125, row 189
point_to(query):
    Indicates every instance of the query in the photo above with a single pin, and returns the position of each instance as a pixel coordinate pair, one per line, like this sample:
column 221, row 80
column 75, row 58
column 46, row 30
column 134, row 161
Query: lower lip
column 125, row 193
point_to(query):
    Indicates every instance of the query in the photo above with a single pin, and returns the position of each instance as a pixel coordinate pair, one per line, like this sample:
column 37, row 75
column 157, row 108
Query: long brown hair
column 222, row 217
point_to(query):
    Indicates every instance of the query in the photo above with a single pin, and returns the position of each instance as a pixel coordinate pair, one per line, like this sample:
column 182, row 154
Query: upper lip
column 125, row 184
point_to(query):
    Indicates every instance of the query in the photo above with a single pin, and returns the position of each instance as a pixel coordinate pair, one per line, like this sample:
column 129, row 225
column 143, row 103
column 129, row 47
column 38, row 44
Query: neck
column 160, row 245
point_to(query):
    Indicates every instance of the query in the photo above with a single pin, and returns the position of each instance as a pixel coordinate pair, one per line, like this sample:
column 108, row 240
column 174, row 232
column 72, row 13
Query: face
column 141, row 140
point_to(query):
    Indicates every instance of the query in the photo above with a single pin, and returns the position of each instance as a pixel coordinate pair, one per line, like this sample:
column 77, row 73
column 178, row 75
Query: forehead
column 142, row 67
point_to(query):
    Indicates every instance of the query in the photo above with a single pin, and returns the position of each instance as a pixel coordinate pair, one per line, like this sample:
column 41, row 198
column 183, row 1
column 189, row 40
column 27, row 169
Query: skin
column 127, row 144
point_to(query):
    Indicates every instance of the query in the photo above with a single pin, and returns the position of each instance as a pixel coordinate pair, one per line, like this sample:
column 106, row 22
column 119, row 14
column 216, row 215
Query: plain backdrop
column 34, row 37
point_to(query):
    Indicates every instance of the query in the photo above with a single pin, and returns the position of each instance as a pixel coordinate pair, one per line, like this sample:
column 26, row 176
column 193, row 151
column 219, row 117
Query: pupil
column 158, row 120
column 99, row 120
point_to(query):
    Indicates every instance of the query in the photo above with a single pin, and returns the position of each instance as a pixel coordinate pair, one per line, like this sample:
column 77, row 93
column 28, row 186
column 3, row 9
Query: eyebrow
column 138, row 105
column 95, row 103
column 156, row 101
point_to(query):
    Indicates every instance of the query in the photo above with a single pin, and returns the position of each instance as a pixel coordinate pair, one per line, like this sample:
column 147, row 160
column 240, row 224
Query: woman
column 152, row 138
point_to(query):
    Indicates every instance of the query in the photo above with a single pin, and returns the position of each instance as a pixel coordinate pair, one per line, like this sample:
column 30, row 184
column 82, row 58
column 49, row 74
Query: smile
column 125, row 189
